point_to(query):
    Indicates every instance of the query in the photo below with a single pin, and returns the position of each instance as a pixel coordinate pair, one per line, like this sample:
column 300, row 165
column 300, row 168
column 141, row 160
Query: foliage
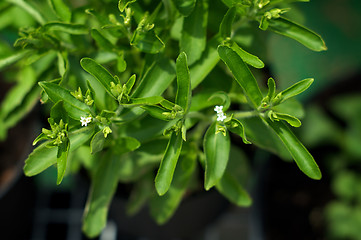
column 135, row 83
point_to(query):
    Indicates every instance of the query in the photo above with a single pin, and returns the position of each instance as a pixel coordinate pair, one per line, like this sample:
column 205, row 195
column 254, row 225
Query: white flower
column 85, row 120
column 221, row 117
column 218, row 109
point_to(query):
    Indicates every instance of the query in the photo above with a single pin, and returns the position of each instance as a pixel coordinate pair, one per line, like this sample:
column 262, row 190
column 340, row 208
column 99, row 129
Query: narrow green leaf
column 225, row 28
column 242, row 74
column 302, row 157
column 157, row 79
column 297, row 32
column 293, row 121
column 233, row 190
column 129, row 84
column 193, row 38
column 183, row 97
column 61, row 161
column 143, row 101
column 104, row 183
column 163, row 207
column 248, row 58
column 185, row 7
column 99, row 72
column 156, row 111
column 29, row 9
column 199, row 71
column 154, row 82
column 61, row 9
column 271, row 89
column 43, row 157
column 216, row 147
column 147, row 41
column 294, row 90
column 167, row 166
column 75, row 108
column 8, row 60
column 235, row 126
column 122, row 4
column 71, row 28
column 102, row 41
column 97, row 142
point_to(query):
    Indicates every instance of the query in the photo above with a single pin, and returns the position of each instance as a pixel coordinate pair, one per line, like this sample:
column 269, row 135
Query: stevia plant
column 146, row 92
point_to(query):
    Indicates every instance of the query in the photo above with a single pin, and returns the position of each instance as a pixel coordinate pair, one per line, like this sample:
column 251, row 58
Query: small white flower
column 85, row 120
column 218, row 109
column 221, row 117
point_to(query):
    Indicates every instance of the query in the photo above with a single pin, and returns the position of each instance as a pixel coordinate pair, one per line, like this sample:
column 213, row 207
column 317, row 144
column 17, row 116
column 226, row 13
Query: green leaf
column 225, row 28
column 294, row 90
column 258, row 132
column 216, row 147
column 61, row 9
column 222, row 99
column 97, row 142
column 156, row 111
column 129, row 84
column 235, row 126
column 71, row 28
column 8, row 60
column 199, row 71
column 185, row 7
column 156, row 79
column 18, row 93
column 147, row 41
column 29, row 9
column 99, row 72
column 58, row 112
column 233, row 190
column 145, row 159
column 297, row 32
column 242, row 74
column 163, row 207
column 102, row 41
column 125, row 145
column 271, row 89
column 184, row 91
column 61, row 161
column 141, row 192
column 248, row 58
column 167, row 166
column 302, row 157
column 154, row 82
column 73, row 106
column 193, row 38
column 43, row 156
column 293, row 121
column 122, row 4
column 104, row 184
column 143, row 101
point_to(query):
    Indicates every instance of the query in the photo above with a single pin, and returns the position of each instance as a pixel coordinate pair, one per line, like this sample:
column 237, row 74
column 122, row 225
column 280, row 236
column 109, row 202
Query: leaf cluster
column 133, row 84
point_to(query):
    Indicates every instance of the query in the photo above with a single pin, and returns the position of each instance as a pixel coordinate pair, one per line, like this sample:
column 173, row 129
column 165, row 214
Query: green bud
column 106, row 131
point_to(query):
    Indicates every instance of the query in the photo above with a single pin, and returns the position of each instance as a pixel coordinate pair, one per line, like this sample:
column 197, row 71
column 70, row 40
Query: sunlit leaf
column 295, row 31
column 242, row 74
